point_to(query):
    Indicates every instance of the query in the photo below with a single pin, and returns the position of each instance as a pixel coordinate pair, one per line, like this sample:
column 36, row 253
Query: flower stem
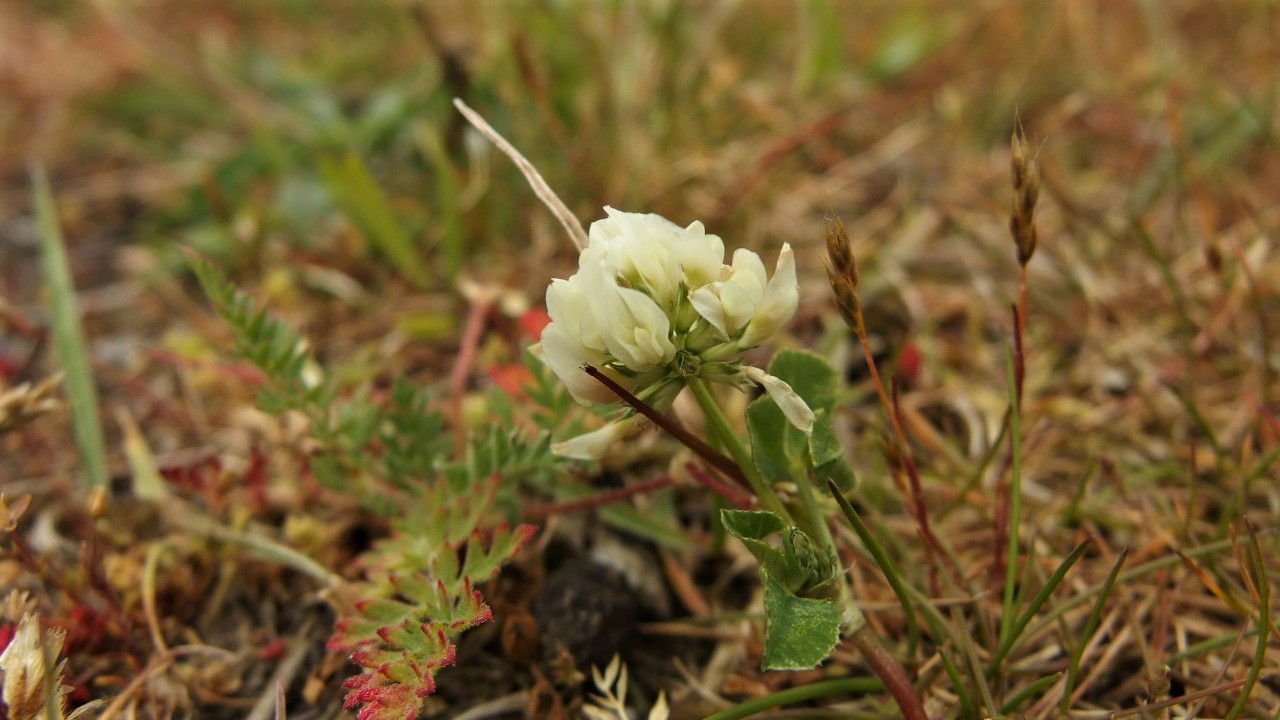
column 721, row 430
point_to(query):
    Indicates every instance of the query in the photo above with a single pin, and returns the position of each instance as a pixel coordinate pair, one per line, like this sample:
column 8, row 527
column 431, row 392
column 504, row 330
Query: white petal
column 570, row 309
column 594, row 445
column 781, row 297
column 741, row 293
column 701, row 255
column 793, row 406
column 638, row 247
column 706, row 300
column 565, row 357
column 634, row 328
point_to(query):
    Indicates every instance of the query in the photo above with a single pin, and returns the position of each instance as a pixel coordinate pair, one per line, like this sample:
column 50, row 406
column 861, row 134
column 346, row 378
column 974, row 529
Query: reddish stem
column 714, row 457
column 462, row 366
column 738, row 500
column 916, row 499
column 603, row 498
column 888, row 670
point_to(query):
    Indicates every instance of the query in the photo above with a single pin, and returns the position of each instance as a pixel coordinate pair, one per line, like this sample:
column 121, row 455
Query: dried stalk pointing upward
column 842, row 271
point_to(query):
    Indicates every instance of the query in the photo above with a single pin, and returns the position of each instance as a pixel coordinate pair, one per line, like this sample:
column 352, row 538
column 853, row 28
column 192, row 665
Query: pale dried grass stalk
column 540, row 187
column 1026, row 192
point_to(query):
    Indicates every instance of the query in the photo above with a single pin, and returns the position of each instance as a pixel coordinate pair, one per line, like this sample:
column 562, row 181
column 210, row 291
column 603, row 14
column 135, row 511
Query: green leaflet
column 801, row 624
column 778, row 448
column 799, row 632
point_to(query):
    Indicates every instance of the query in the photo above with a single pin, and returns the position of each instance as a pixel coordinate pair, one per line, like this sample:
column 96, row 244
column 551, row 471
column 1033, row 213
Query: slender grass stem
column 1015, row 505
column 1015, row 631
column 1028, row 692
column 886, row 564
column 1265, row 623
column 1073, row 669
column 797, row 694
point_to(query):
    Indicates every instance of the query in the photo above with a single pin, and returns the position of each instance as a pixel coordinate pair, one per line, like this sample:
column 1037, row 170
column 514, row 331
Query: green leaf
column 799, row 632
column 364, row 201
column 69, row 344
column 800, row 565
column 751, row 524
column 772, row 439
column 827, row 453
column 778, row 448
column 811, row 376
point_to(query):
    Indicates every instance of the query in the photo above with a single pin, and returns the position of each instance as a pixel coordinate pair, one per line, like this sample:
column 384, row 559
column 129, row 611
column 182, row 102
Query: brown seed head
column 842, row 272
column 1026, row 192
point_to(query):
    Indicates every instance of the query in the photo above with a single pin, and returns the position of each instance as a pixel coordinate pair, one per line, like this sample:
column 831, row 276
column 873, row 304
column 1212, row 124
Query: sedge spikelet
column 842, row 272
column 1026, row 191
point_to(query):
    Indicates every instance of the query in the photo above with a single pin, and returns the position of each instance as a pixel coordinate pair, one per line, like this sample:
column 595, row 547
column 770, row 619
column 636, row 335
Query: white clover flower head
column 653, row 304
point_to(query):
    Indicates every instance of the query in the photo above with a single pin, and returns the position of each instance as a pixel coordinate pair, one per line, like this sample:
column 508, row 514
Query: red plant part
column 512, row 379
column 402, row 632
column 533, row 321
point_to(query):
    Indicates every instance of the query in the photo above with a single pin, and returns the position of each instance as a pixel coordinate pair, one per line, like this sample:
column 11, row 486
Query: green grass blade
column 364, row 201
column 1095, row 616
column 1253, row 552
column 938, row 626
column 886, row 564
column 859, row 685
column 1028, row 692
column 1024, row 619
column 68, row 337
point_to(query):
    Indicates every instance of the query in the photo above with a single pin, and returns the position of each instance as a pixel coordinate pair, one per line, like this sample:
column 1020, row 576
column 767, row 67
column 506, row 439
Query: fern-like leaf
column 419, row 594
column 294, row 382
column 404, row 636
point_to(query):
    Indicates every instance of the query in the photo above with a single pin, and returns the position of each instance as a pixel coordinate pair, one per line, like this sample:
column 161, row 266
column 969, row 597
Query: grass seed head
column 842, row 272
column 1026, row 192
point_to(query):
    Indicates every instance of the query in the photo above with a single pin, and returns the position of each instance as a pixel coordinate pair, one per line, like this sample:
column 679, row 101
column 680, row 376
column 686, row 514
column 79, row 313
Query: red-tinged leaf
column 420, row 595
column 533, row 321
column 512, row 379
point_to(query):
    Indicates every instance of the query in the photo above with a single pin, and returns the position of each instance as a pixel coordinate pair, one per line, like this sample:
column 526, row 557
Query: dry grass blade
column 540, row 187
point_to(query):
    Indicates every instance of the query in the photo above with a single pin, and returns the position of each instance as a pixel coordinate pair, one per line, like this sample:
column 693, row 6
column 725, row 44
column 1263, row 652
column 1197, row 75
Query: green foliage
column 68, row 338
column 802, row 620
column 418, row 595
column 293, row 382
column 417, row 591
column 779, row 449
column 364, row 201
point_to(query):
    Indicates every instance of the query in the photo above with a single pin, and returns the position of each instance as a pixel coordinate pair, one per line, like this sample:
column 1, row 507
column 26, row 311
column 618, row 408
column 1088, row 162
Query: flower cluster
column 652, row 305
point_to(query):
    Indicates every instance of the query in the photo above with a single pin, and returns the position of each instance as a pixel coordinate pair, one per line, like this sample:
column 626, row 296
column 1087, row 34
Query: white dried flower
column 26, row 671
column 653, row 304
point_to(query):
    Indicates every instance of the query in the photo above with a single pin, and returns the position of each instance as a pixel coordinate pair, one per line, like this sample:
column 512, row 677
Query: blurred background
column 311, row 149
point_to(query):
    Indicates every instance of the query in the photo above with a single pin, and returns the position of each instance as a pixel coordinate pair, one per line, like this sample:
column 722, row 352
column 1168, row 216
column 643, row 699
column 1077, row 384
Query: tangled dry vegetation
column 312, row 152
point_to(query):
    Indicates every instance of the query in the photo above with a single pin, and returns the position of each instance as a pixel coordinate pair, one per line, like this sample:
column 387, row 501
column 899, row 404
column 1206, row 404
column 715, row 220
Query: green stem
column 823, row 688
column 886, row 564
column 721, row 430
